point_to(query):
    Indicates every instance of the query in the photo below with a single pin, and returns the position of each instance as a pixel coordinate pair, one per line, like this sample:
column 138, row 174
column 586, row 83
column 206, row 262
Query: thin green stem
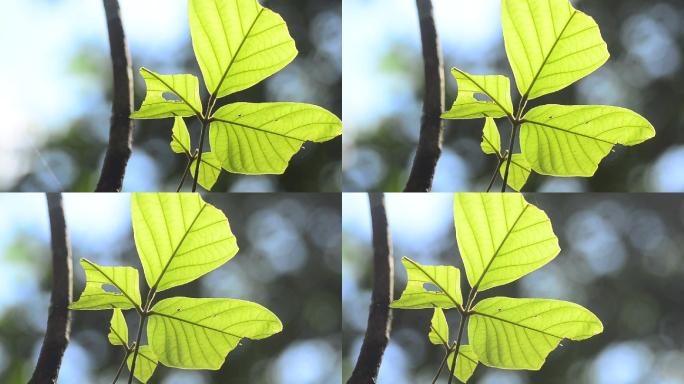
column 496, row 172
column 185, row 174
column 441, row 366
column 205, row 125
column 137, row 347
column 461, row 327
column 511, row 145
column 123, row 363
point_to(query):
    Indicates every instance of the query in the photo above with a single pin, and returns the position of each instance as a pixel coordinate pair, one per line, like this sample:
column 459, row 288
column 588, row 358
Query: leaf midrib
column 257, row 129
column 565, row 130
column 515, row 324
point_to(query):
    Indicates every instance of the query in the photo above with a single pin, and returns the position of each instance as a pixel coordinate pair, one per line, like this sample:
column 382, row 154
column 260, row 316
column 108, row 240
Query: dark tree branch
column 59, row 318
column 380, row 316
column 121, row 128
column 431, row 130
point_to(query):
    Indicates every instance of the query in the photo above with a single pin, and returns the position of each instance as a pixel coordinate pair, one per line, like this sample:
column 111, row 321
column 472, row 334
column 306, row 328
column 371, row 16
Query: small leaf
column 491, row 139
column 179, row 237
column 118, row 329
column 122, row 279
column 209, row 171
column 501, row 237
column 568, row 141
column 157, row 106
column 466, row 363
column 180, row 137
column 181, row 327
column 518, row 173
column 238, row 43
column 550, row 44
column 497, row 89
column 520, row 333
column 262, row 138
column 145, row 363
column 439, row 329
column 446, row 279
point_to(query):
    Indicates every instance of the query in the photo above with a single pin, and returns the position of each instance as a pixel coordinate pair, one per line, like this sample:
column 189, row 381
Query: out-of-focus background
column 289, row 261
column 621, row 258
column 383, row 87
column 56, row 89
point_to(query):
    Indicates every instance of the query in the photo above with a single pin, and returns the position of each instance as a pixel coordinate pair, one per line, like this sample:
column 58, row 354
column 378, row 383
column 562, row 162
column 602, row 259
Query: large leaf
column 501, row 237
column 564, row 140
column 520, row 333
column 199, row 333
column 491, row 138
column 439, row 329
column 118, row 329
column 169, row 96
column 550, row 45
column 494, row 94
column 518, row 173
column 209, row 171
column 465, row 363
column 262, row 138
column 123, row 283
column 238, row 43
column 145, row 363
column 446, row 279
column 180, row 137
column 179, row 237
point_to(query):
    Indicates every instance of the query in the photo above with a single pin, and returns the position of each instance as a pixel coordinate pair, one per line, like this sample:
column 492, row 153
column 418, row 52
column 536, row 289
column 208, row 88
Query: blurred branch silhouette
column 59, row 318
column 121, row 129
column 380, row 315
column 431, row 130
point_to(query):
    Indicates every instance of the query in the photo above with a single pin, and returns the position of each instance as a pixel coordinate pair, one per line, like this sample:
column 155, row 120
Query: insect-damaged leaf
column 169, row 96
column 124, row 284
column 496, row 90
column 446, row 279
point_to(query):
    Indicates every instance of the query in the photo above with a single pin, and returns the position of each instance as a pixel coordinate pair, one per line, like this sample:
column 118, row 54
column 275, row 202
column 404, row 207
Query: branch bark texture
column 380, row 315
column 59, row 318
column 431, row 130
column 121, row 126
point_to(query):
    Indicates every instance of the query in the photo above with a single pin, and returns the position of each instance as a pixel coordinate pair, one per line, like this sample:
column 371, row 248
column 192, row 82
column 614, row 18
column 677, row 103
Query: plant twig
column 121, row 128
column 203, row 133
column 185, row 174
column 137, row 347
column 459, row 339
column 496, row 173
column 123, row 364
column 431, row 131
column 380, row 315
column 59, row 318
column 441, row 366
column 511, row 145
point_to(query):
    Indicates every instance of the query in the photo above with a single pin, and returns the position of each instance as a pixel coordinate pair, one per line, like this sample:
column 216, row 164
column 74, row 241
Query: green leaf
column 446, row 279
column 180, row 137
column 118, row 329
column 465, row 363
column 520, row 333
column 501, row 237
column 439, row 329
column 518, row 173
column 262, row 138
column 123, row 279
column 209, row 171
column 179, row 237
column 238, row 43
column 572, row 140
column 160, row 88
column 550, row 44
column 145, row 363
column 497, row 90
column 491, row 139
column 199, row 333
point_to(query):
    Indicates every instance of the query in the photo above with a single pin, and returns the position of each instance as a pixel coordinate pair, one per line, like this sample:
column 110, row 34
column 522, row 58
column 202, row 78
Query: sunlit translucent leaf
column 501, row 237
column 550, row 45
column 199, row 333
column 446, row 279
column 491, row 139
column 480, row 96
column 169, row 96
column 518, row 173
column 180, row 137
column 209, row 171
column 118, row 329
column 123, row 288
column 145, row 363
column 262, row 138
column 439, row 328
column 465, row 363
column 238, row 43
column 572, row 140
column 179, row 237
column 520, row 333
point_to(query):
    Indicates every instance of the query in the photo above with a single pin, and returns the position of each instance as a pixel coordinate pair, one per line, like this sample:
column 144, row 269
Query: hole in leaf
column 110, row 288
column 483, row 97
column 170, row 96
column 431, row 287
